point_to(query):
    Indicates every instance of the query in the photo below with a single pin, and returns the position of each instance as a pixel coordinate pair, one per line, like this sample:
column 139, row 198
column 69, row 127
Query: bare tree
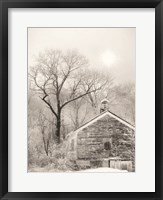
column 95, row 97
column 125, row 100
column 60, row 79
column 78, row 113
column 46, row 131
column 130, row 91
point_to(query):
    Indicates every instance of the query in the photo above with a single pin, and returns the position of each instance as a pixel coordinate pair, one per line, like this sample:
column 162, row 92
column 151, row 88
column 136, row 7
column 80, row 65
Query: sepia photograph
column 81, row 99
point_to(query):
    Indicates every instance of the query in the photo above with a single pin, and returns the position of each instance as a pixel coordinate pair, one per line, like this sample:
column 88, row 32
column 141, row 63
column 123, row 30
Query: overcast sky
column 110, row 48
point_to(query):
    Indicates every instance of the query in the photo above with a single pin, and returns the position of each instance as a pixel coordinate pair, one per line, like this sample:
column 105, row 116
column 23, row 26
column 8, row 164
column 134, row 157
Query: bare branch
column 50, row 106
column 80, row 96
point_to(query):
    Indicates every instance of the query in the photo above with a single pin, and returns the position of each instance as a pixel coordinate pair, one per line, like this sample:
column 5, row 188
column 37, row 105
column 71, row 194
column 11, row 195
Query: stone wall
column 91, row 139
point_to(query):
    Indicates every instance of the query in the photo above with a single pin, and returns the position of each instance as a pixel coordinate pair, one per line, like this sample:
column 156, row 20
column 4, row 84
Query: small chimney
column 104, row 105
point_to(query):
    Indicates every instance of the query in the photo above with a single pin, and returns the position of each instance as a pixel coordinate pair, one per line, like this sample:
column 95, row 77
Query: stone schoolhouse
column 106, row 136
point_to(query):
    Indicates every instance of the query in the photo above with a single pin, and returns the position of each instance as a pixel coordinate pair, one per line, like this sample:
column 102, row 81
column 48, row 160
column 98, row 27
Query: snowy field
column 101, row 169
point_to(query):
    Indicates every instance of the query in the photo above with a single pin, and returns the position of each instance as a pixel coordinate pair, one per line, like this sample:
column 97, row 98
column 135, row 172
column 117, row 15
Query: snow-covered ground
column 101, row 169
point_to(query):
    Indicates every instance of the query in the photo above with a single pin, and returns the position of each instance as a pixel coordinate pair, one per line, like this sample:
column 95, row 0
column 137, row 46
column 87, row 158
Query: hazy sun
column 108, row 58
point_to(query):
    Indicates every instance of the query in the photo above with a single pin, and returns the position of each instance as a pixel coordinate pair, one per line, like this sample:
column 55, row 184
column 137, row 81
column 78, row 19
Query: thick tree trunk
column 58, row 124
column 58, row 127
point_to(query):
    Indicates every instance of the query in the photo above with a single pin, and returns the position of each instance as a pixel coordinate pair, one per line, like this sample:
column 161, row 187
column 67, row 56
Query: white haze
column 111, row 49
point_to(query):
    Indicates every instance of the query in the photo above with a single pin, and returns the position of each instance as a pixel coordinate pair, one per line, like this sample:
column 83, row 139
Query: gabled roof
column 102, row 115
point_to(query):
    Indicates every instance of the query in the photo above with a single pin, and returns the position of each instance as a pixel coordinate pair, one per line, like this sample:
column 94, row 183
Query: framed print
column 81, row 99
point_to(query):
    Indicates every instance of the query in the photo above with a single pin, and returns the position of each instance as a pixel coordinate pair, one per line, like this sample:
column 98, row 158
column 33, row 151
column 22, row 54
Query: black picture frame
column 4, row 5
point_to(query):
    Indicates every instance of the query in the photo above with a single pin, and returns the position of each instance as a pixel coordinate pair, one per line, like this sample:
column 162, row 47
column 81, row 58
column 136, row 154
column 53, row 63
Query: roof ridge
column 100, row 115
column 121, row 118
column 91, row 120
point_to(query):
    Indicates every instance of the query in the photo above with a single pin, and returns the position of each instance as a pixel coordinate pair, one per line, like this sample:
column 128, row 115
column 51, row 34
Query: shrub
column 56, row 160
